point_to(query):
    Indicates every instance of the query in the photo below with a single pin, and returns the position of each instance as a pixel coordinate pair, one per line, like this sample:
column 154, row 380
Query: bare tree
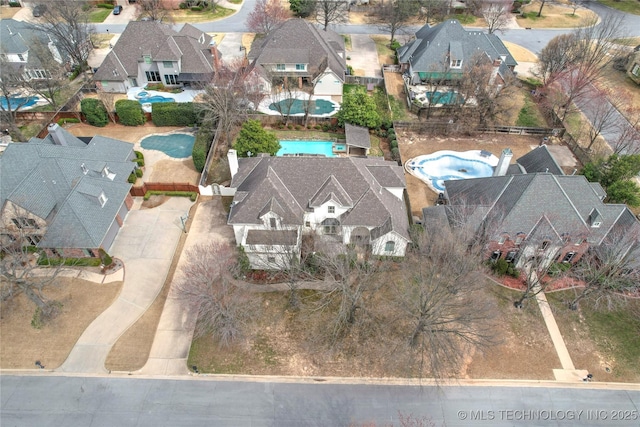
column 440, row 313
column 542, row 2
column 154, row 10
column 266, row 15
column 50, row 78
column 627, row 139
column 539, row 255
column 608, row 270
column 393, row 17
column 224, row 311
column 69, row 25
column 497, row 14
column 109, row 101
column 558, row 55
column 284, row 95
column 11, row 79
column 602, row 112
column 331, row 12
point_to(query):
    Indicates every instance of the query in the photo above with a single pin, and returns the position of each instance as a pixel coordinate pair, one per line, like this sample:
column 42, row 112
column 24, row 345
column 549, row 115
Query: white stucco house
column 339, row 200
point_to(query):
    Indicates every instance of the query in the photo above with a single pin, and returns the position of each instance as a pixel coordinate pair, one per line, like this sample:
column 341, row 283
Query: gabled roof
column 520, row 201
column 298, row 41
column 357, row 136
column 301, row 183
column 433, row 45
column 18, row 36
column 189, row 47
column 62, row 183
column 540, row 159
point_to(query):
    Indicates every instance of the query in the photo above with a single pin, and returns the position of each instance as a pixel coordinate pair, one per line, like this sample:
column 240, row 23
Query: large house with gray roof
column 441, row 53
column 299, row 50
column 555, row 218
column 149, row 52
column 18, row 46
column 340, row 200
column 64, row 195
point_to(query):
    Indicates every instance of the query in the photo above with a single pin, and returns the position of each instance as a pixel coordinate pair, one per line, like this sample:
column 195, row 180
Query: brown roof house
column 64, row 195
column 152, row 52
column 300, row 50
column 340, row 200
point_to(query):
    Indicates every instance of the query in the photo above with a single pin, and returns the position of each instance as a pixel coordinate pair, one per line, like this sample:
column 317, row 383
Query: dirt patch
column 172, row 170
column 412, row 144
column 22, row 345
column 154, row 201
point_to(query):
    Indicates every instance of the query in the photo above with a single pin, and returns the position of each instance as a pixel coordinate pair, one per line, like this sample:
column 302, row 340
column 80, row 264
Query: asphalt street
column 44, row 400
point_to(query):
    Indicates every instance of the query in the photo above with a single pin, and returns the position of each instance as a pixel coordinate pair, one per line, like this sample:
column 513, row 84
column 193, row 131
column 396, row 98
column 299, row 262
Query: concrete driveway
column 364, row 56
column 146, row 243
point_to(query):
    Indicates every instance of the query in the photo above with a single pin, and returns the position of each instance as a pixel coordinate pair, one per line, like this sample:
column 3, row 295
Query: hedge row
column 68, row 120
column 190, row 194
column 174, row 114
column 130, row 112
column 94, row 111
column 70, row 262
column 201, row 148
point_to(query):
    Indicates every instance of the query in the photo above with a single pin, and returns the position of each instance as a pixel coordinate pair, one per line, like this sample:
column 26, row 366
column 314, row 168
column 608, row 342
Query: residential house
column 150, row 52
column 64, row 195
column 357, row 139
column 441, row 53
column 340, row 200
column 17, row 49
column 633, row 65
column 538, row 215
column 300, row 50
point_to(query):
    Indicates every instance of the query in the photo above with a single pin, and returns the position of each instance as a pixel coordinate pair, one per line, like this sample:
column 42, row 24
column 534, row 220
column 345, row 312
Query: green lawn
column 99, row 15
column 629, row 6
column 180, row 16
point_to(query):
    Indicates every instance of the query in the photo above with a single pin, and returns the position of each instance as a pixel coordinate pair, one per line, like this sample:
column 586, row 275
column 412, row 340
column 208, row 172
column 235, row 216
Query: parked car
column 117, row 9
column 39, row 10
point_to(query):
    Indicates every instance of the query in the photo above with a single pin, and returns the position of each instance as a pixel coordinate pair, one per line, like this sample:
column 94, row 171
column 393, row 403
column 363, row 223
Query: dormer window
column 106, row 173
column 519, row 238
column 503, row 238
column 273, row 223
column 102, row 199
column 456, row 63
column 331, row 209
column 21, row 57
column 595, row 219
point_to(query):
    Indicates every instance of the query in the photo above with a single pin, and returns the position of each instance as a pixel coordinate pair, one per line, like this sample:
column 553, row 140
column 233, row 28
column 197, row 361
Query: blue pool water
column 155, row 98
column 444, row 98
column 306, row 147
column 18, row 101
column 448, row 167
column 176, row 145
column 296, row 106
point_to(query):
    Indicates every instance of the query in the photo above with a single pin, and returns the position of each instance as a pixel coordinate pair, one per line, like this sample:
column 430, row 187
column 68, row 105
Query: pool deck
column 263, row 107
column 187, row 95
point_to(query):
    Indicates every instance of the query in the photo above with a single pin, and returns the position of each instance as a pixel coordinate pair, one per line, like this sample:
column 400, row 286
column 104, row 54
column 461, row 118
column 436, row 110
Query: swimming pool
column 324, row 148
column 444, row 98
column 445, row 165
column 155, row 98
column 321, row 107
column 18, row 101
column 176, row 145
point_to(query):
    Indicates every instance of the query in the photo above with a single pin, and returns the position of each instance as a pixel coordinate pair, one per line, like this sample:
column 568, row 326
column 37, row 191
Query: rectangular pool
column 324, row 148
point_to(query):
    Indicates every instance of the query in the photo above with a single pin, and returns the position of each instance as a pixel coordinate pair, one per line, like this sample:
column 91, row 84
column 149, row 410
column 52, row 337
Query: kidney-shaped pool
column 176, row 145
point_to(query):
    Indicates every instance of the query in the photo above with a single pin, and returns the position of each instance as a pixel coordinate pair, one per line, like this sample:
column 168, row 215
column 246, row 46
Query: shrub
column 394, row 45
column 94, row 111
column 139, row 162
column 130, row 112
column 138, row 154
column 174, row 114
column 183, row 6
column 14, row 4
column 132, row 178
column 200, row 148
column 69, row 120
column 190, row 194
column 391, row 132
column 70, row 262
column 155, row 86
column 196, row 8
column 395, row 153
column 105, row 258
column 393, row 143
column 500, row 267
column 105, row 6
column 139, row 173
column 558, row 268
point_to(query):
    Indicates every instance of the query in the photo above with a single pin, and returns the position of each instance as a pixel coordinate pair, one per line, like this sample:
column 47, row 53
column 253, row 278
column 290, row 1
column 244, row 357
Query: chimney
column 503, row 163
column 216, row 55
column 56, row 133
column 232, row 156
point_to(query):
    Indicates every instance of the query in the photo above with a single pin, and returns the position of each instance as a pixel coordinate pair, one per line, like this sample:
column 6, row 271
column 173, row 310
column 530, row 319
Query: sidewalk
column 146, row 244
column 170, row 349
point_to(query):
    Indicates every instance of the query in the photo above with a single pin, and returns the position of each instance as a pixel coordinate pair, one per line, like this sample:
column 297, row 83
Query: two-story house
column 17, row 49
column 150, row 52
column 298, row 50
column 338, row 200
column 440, row 53
column 64, row 195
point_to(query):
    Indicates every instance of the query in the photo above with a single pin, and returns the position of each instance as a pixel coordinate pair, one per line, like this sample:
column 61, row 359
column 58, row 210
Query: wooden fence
column 162, row 186
column 212, row 150
column 269, row 120
column 364, row 80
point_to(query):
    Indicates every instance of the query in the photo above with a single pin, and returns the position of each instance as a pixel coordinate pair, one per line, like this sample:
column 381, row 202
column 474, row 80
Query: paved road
column 99, row 401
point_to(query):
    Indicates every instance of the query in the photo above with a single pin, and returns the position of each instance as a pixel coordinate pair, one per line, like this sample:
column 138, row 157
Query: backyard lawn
column 184, row 16
column 99, row 14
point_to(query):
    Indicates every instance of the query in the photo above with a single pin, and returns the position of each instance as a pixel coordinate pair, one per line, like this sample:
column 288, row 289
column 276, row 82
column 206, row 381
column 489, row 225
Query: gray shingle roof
column 17, row 36
column 522, row 200
column 61, row 184
column 357, row 136
column 299, row 41
column 299, row 183
column 540, row 159
column 432, row 46
column 162, row 43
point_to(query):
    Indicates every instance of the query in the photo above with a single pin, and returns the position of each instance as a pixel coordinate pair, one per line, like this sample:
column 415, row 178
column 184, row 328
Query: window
column 300, row 67
column 102, row 199
column 519, row 238
column 331, row 209
column 568, row 257
column 280, row 67
column 22, row 222
column 272, row 222
column 307, row 224
column 636, row 70
column 495, row 255
column 271, row 259
column 545, row 244
column 89, row 253
column 511, row 256
column 147, row 59
column 152, row 76
column 171, row 79
column 167, row 64
column 596, row 224
column 33, row 240
column 456, row 63
column 579, row 241
column 330, row 226
column 390, row 246
column 566, row 238
column 21, row 57
column 503, row 238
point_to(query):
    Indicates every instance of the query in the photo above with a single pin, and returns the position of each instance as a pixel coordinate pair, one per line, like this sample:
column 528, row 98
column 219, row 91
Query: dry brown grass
column 7, row 12
column 619, row 81
column 22, row 345
column 554, row 15
column 385, row 54
column 519, row 53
